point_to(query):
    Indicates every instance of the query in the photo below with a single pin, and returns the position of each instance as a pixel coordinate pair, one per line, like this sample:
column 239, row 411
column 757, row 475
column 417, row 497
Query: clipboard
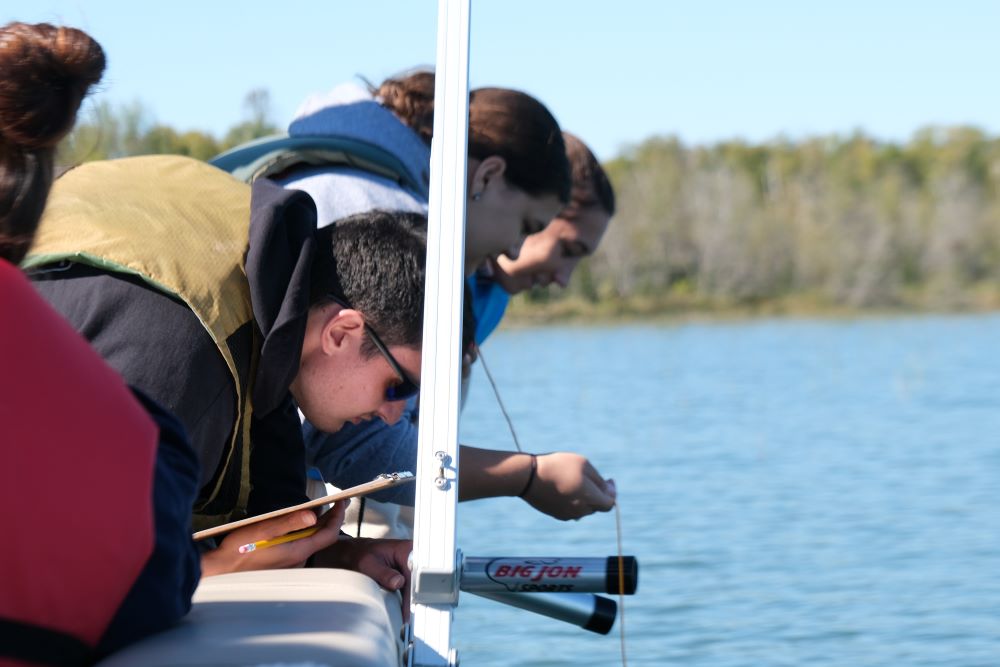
column 383, row 481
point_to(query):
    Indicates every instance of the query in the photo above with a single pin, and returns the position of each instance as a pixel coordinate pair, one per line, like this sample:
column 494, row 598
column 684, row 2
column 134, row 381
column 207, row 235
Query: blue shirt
column 489, row 302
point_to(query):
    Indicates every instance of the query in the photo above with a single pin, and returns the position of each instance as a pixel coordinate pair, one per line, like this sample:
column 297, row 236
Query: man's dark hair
column 378, row 269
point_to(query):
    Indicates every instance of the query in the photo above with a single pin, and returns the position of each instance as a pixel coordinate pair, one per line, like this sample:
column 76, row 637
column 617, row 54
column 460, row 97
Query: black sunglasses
column 407, row 387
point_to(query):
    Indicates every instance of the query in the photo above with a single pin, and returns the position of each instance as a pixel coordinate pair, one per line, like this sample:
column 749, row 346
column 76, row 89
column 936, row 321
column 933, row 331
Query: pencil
column 290, row 537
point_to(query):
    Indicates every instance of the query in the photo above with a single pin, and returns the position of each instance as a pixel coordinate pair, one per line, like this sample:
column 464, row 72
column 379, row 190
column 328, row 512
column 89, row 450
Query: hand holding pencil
column 280, row 542
column 290, row 537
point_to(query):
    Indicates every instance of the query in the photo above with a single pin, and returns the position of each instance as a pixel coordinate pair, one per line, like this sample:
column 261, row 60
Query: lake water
column 797, row 492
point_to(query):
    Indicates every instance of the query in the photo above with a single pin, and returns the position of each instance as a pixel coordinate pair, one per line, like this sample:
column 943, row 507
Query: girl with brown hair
column 551, row 256
column 46, row 72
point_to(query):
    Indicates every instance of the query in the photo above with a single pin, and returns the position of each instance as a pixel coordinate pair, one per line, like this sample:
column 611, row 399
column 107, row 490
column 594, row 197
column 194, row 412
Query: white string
column 618, row 515
column 621, row 583
column 496, row 392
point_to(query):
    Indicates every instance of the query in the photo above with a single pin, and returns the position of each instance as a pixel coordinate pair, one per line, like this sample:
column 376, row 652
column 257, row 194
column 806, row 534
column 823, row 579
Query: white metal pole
column 435, row 556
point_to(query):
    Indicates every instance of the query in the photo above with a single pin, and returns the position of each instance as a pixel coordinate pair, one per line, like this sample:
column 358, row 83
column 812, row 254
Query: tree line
column 107, row 131
column 847, row 222
column 838, row 221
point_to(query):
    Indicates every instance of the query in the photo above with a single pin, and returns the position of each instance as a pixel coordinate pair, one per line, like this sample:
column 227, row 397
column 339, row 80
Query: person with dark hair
column 110, row 559
column 519, row 178
column 223, row 303
column 551, row 255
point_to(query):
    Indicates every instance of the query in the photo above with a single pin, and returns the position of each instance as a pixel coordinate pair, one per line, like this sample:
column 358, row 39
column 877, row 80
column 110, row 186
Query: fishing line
column 621, row 582
column 618, row 512
column 496, row 392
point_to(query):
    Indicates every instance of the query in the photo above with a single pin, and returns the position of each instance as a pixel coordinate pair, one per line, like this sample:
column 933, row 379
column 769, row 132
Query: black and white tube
column 549, row 575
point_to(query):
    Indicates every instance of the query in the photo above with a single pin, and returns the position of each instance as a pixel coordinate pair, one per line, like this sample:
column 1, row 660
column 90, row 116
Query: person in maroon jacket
column 96, row 479
column 79, row 580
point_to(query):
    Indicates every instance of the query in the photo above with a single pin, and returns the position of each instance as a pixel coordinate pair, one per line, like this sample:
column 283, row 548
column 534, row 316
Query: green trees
column 826, row 222
column 258, row 105
column 106, row 132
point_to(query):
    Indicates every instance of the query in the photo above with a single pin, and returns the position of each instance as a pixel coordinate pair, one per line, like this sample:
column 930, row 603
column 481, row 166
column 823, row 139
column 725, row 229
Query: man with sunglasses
column 225, row 304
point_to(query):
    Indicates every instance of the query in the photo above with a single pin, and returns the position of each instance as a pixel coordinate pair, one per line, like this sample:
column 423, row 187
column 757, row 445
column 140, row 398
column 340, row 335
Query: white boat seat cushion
column 308, row 616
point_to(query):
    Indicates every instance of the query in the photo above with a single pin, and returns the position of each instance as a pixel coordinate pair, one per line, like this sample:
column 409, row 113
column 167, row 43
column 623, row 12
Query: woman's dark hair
column 518, row 128
column 502, row 122
column 45, row 72
column 591, row 186
column 377, row 268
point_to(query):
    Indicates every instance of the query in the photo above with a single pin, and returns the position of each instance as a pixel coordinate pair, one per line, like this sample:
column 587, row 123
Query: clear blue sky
column 613, row 72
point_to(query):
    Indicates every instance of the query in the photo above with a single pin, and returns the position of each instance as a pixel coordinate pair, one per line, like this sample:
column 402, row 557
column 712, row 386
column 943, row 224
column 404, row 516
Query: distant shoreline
column 524, row 314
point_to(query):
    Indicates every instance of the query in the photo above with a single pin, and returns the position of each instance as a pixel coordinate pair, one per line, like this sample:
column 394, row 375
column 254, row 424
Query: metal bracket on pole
column 437, row 585
column 446, row 472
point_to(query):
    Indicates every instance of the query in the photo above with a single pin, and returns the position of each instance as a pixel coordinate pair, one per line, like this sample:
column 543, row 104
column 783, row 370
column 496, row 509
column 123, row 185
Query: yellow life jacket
column 182, row 226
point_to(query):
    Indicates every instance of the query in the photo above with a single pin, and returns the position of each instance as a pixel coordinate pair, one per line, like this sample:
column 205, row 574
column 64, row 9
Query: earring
column 476, row 196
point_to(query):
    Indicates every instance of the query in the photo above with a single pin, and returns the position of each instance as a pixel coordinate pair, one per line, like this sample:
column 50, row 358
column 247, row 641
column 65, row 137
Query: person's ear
column 342, row 329
column 489, row 169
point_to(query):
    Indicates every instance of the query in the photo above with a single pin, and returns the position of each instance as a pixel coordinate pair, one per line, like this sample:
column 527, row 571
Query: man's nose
column 391, row 411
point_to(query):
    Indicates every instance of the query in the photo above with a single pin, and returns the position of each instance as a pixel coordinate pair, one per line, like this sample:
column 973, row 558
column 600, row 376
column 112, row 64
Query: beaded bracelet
column 531, row 476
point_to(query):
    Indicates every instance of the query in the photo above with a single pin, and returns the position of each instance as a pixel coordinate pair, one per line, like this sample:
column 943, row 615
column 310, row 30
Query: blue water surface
column 797, row 492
